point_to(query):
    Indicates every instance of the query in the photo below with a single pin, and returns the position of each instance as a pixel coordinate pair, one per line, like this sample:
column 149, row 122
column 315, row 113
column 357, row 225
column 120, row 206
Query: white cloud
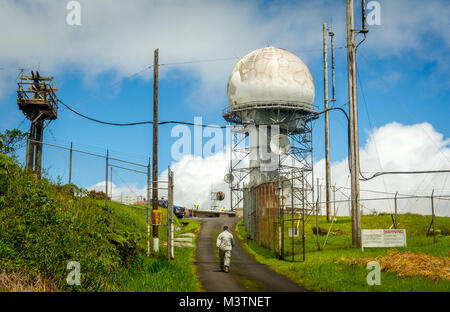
column 393, row 147
column 120, row 36
column 194, row 178
column 122, row 192
column 397, row 147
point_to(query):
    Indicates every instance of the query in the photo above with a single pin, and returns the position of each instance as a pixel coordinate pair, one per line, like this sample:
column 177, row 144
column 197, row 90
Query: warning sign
column 383, row 238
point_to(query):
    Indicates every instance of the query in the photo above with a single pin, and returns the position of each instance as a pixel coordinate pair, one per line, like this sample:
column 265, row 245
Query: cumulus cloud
column 119, row 36
column 121, row 192
column 392, row 147
column 194, row 179
column 397, row 147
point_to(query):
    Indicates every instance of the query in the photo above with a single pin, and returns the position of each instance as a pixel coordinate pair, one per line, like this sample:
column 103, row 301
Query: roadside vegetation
column 422, row 266
column 44, row 226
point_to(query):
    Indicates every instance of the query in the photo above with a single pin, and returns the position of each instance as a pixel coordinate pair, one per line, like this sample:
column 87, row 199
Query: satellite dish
column 220, row 196
column 280, row 144
column 228, row 178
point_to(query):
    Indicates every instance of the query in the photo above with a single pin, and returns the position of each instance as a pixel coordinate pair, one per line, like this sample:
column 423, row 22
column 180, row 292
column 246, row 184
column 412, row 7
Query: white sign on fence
column 293, row 232
column 383, row 238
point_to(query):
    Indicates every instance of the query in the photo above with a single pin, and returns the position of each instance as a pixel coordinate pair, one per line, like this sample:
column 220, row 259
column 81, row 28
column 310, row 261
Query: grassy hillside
column 156, row 274
column 44, row 226
column 340, row 267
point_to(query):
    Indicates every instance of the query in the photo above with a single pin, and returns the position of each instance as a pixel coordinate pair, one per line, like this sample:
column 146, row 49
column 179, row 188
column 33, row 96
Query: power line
column 363, row 178
column 201, row 61
column 370, row 124
column 140, row 122
column 232, row 58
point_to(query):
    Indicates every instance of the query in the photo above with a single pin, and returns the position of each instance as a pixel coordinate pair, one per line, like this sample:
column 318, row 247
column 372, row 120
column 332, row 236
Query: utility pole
column 353, row 124
column 327, row 125
column 155, row 150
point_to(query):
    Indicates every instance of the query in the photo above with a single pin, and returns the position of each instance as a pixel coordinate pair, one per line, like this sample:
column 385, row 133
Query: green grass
column 44, row 226
column 320, row 273
column 156, row 273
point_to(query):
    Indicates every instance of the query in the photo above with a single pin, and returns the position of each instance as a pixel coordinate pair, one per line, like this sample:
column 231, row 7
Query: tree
column 12, row 140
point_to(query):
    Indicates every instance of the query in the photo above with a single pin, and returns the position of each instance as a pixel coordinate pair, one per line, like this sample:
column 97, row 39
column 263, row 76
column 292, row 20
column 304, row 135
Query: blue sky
column 401, row 78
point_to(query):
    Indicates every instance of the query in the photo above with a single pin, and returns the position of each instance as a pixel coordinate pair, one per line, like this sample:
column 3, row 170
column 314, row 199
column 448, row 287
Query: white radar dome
column 270, row 76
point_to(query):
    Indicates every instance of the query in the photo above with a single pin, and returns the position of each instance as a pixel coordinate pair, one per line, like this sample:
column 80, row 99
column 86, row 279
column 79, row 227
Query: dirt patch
column 407, row 264
column 13, row 282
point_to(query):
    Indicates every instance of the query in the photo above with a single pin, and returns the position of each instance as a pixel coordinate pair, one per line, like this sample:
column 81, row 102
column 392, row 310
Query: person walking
column 225, row 244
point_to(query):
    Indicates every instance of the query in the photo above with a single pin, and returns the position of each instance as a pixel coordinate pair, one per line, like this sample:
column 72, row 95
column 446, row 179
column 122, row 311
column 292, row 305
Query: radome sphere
column 270, row 75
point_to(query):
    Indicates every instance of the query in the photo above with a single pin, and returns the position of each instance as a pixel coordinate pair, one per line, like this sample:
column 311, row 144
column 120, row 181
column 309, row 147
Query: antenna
column 331, row 34
column 280, row 144
column 220, row 196
column 228, row 178
column 364, row 30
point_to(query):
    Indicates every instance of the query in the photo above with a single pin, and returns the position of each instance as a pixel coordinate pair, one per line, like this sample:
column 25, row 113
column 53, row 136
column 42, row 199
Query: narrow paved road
column 245, row 273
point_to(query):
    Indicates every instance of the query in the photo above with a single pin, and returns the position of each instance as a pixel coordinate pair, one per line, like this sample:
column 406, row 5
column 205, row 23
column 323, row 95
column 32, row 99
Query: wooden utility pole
column 353, row 124
column 155, row 149
column 327, row 124
column 40, row 133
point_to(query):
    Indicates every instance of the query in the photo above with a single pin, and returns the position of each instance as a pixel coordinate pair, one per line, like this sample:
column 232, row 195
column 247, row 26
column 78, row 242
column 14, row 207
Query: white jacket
column 225, row 241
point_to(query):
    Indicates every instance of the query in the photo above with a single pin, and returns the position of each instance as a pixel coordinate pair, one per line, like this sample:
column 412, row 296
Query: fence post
column 334, row 200
column 148, row 206
column 106, row 179
column 395, row 201
column 303, row 216
column 317, row 215
column 170, row 249
column 70, row 165
column 432, row 216
column 27, row 151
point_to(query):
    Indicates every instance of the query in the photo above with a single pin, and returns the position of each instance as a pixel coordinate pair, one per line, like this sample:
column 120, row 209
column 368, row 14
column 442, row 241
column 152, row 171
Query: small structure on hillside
column 37, row 100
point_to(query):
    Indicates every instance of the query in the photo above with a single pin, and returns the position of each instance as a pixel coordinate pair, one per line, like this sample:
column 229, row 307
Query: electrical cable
column 138, row 123
column 371, row 126
column 363, row 178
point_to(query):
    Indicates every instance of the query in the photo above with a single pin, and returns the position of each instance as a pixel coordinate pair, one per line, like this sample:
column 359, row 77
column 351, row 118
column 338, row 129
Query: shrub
column 45, row 226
